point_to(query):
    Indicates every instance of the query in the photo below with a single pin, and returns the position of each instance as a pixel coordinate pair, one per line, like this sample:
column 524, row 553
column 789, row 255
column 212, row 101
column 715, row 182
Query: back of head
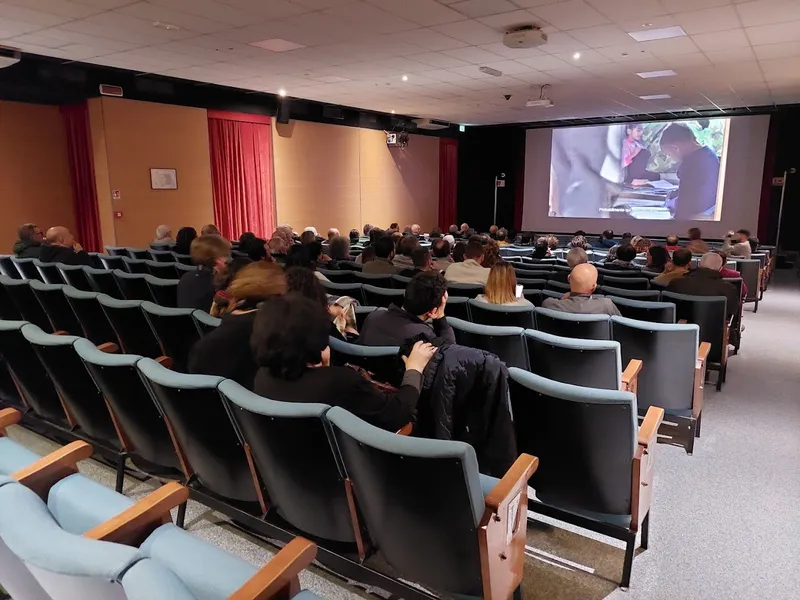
column 55, row 235
column 375, row 233
column 332, row 233
column 677, row 133
column 255, row 282
column 435, row 233
column 302, row 281
column 308, row 237
column 452, row 230
column 642, row 244
column 416, row 229
column 312, row 229
column 354, row 236
column 421, row 257
column 278, row 245
column 339, row 248
column 626, row 253
column 744, row 232
column 672, row 240
column 186, row 235
column 626, row 236
column 314, row 250
column 576, row 256
column 459, row 252
column 682, row 257
column 607, row 235
column 583, row 279
column 224, row 276
column 162, row 232
column 384, row 247
column 541, row 248
column 474, row 250
column 27, row 232
column 450, row 239
column 578, row 242
column 502, row 283
column 502, row 235
column 580, row 232
column 658, row 257
column 394, row 226
column 247, row 237
column 367, row 229
column 289, row 334
column 209, row 229
column 407, row 245
column 711, row 260
column 207, row 249
column 552, row 242
column 367, row 255
column 441, row 248
column 424, row 292
column 694, row 233
column 299, row 256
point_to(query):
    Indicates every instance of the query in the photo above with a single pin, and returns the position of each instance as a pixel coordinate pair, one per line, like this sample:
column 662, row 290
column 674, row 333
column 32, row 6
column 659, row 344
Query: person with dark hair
column 196, row 289
column 459, row 252
column 698, row 173
column 367, row 229
column 672, row 243
column 472, row 269
column 491, row 254
column 441, row 254
column 737, row 244
column 301, row 281
column 354, row 236
column 502, row 237
column 226, row 351
column 706, row 280
column 435, row 233
column 384, row 253
column 580, row 241
column 367, row 255
column 421, row 257
column 184, row 239
column 405, row 249
column 425, row 298
column 338, row 249
column 696, row 244
column 541, row 249
column 624, row 260
column 394, row 226
column 635, row 157
column 290, row 343
column 607, row 239
column 657, row 259
column 754, row 242
column 308, row 237
column 612, row 252
column 493, row 231
column 30, row 241
column 677, row 267
column 254, row 247
column 305, row 256
column 454, row 231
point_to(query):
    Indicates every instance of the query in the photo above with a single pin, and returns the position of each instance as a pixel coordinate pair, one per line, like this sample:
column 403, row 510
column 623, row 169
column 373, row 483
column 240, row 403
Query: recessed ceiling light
column 490, row 71
column 576, row 56
column 404, row 78
column 655, row 97
column 277, row 45
column 652, row 74
column 647, row 24
column 663, row 33
column 392, row 111
column 167, row 26
column 282, row 93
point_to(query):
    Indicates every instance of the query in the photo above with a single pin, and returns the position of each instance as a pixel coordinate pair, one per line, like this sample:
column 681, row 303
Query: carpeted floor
column 725, row 522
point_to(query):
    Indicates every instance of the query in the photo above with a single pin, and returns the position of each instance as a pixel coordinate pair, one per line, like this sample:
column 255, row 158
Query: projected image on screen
column 656, row 170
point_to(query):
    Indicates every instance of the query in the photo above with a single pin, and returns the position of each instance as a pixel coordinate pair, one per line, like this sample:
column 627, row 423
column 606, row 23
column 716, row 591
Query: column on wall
column 242, row 173
column 81, row 167
column 448, row 182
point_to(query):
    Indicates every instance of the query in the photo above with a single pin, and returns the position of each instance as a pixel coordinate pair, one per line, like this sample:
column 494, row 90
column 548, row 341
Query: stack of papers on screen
column 661, row 184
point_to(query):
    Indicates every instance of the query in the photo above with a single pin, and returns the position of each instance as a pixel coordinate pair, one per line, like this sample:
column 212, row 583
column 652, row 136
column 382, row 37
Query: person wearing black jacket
column 196, row 289
column 61, row 247
column 425, row 298
column 706, row 280
column 290, row 343
column 30, row 241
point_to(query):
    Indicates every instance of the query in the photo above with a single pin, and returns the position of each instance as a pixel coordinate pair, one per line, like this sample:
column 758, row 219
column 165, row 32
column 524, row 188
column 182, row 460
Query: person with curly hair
column 491, row 254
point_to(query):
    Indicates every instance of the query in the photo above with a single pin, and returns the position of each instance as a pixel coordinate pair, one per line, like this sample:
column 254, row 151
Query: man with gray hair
column 707, row 281
column 576, row 256
column 163, row 235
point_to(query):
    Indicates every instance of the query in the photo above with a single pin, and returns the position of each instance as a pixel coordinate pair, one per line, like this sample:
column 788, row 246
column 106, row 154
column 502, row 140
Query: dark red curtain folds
column 448, row 182
column 241, row 173
column 81, row 174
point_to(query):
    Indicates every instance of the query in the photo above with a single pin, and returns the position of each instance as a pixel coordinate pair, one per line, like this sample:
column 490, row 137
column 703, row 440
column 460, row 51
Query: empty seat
column 116, row 251
column 533, row 296
column 75, row 276
column 8, row 309
column 618, row 273
column 112, row 261
column 627, row 283
column 437, row 538
column 500, row 315
column 532, row 284
column 466, row 290
column 384, row 281
column 656, row 312
column 133, row 285
column 205, row 322
column 183, row 259
column 138, row 253
column 596, row 468
column 557, row 286
column 162, row 269
column 26, row 268
column 103, row 282
column 176, row 330
column 59, row 312
column 340, row 276
column 654, row 295
column 750, row 271
column 585, row 327
column 95, row 261
column 164, row 291
column 7, row 267
column 48, row 272
column 735, row 330
column 382, row 361
column 93, row 320
column 344, row 289
column 21, row 294
column 458, row 306
column 381, row 296
column 135, row 334
column 135, row 265
column 159, row 255
column 505, row 342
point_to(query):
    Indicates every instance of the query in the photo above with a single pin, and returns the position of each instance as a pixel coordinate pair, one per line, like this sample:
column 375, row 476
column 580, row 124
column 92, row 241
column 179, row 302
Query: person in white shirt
column 471, row 270
column 501, row 288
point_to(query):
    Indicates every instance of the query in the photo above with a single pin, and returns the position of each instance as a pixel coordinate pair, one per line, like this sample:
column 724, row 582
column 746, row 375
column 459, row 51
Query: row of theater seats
column 32, row 268
column 63, row 536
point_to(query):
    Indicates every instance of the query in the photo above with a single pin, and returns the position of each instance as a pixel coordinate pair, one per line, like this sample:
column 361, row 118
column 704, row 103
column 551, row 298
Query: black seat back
column 534, row 296
column 112, row 262
column 505, row 342
column 176, row 330
column 93, row 320
column 656, row 312
column 183, row 259
column 627, row 283
column 585, row 327
column 75, row 386
column 584, row 438
column 381, row 361
column 8, row 309
column 26, row 268
column 103, row 282
column 589, row 363
column 204, row 322
column 135, row 265
column 344, row 289
column 49, row 272
column 7, row 267
column 381, row 296
column 557, row 286
column 362, row 312
column 134, row 332
column 138, row 253
column 201, row 425
column 54, row 303
column 668, row 353
column 75, row 276
column 501, row 316
column 532, row 284
column 21, row 294
column 164, row 270
column 749, row 271
column 466, row 290
column 116, row 251
column 706, row 311
column 291, row 449
column 375, row 279
column 161, row 255
column 458, row 307
column 164, row 291
column 340, row 276
column 653, row 295
column 133, row 286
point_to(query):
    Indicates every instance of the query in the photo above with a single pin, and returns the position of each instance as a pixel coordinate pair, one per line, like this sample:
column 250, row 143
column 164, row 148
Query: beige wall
column 34, row 170
column 135, row 137
column 344, row 177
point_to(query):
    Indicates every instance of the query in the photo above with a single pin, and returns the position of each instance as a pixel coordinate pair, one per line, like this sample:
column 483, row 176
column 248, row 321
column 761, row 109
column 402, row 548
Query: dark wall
column 784, row 150
column 483, row 154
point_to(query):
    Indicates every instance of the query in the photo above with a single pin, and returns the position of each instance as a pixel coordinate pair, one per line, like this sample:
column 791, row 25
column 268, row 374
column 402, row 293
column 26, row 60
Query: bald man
column 60, row 247
column 582, row 283
column 706, row 280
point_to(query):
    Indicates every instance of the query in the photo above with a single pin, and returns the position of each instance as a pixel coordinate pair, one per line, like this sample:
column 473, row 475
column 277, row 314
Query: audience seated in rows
column 254, row 247
column 290, row 341
column 607, row 239
column 582, row 284
column 384, row 253
column 441, row 254
column 222, row 280
column 404, row 252
column 226, row 351
column 163, row 235
column 210, row 229
column 707, row 281
column 541, row 249
column 196, row 289
column 501, row 287
column 29, row 244
column 61, row 247
column 677, row 267
column 459, row 252
column 696, row 244
column 730, row 273
column 472, row 269
column 425, row 298
column 612, row 252
column 624, row 257
column 737, row 244
column 641, row 244
column 657, row 259
column 184, row 239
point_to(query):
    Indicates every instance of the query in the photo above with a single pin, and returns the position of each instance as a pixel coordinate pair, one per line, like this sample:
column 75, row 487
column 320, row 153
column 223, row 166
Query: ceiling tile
column 543, row 63
column 721, row 40
column 710, row 19
column 508, row 20
column 438, row 60
column 766, row 12
column 501, row 50
column 508, row 67
column 561, row 42
column 61, row 8
column 731, row 55
column 783, row 50
column 681, row 45
column 483, row 8
column 472, row 54
column 470, row 32
column 211, row 10
column 431, row 40
column 532, row 3
column 628, row 9
column 774, row 34
column 273, row 9
column 372, row 18
column 573, row 14
column 600, row 36
column 422, row 12
column 677, row 61
column 152, row 14
column 587, row 58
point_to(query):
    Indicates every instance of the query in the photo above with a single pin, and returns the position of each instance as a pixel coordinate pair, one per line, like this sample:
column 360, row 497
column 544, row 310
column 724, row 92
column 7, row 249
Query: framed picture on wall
column 164, row 179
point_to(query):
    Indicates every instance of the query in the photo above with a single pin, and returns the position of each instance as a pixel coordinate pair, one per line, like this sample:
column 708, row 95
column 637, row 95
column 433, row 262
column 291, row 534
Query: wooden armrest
column 108, row 348
column 132, row 526
column 41, row 475
column 8, row 417
column 630, row 376
column 61, row 332
column 503, row 530
column 278, row 579
column 683, row 322
column 703, row 351
column 700, row 378
column 165, row 361
column 406, row 429
column 649, row 427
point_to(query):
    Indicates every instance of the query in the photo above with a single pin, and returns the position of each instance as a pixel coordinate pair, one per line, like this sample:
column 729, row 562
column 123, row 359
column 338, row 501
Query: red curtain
column 448, row 182
column 241, row 173
column 81, row 172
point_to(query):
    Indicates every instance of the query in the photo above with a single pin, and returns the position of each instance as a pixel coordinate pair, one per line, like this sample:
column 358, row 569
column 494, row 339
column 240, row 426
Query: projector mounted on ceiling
column 525, row 36
column 431, row 124
column 543, row 101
